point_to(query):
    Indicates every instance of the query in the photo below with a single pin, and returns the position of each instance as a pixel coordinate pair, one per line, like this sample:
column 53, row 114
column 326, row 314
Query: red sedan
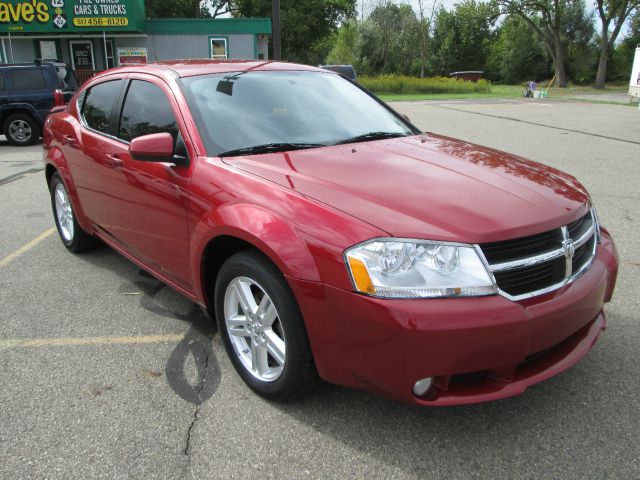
column 327, row 235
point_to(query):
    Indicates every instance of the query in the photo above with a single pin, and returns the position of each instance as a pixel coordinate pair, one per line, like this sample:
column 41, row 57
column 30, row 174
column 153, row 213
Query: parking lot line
column 79, row 341
column 26, row 247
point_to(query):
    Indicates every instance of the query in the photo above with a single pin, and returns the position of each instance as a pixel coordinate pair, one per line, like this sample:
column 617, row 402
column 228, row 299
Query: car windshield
column 282, row 110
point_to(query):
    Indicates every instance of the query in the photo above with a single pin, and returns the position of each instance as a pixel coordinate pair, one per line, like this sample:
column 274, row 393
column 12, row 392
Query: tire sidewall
column 255, row 266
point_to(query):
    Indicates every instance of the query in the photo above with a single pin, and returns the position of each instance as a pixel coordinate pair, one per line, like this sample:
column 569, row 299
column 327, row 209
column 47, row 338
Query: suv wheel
column 21, row 129
column 262, row 328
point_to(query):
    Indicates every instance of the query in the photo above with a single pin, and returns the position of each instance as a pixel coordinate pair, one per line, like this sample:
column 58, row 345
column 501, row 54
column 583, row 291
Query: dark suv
column 345, row 70
column 28, row 92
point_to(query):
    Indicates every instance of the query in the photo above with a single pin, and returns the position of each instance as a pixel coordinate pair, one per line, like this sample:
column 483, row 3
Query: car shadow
column 544, row 432
column 163, row 302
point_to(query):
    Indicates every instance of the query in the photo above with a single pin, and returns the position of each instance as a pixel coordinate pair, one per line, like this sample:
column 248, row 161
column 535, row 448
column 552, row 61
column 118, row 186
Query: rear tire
column 262, row 327
column 71, row 233
column 21, row 129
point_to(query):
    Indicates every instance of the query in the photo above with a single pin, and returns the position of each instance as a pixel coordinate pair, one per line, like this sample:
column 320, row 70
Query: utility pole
column 275, row 16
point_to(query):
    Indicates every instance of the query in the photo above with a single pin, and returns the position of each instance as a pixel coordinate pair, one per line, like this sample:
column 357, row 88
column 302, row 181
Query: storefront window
column 48, row 50
column 218, row 47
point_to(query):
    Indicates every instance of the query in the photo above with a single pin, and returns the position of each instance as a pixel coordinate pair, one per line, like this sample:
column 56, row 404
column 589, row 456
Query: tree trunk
column 601, row 76
column 558, row 63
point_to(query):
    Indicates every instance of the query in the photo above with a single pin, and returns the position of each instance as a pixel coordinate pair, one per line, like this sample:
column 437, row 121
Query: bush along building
column 93, row 35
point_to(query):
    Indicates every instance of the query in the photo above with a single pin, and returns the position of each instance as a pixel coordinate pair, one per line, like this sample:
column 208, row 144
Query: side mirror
column 156, row 147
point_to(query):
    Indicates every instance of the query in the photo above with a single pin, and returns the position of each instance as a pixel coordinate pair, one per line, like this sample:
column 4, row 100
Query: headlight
column 403, row 268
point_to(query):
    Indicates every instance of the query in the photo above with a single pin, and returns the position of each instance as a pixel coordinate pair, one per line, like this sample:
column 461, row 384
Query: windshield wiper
column 269, row 148
column 371, row 136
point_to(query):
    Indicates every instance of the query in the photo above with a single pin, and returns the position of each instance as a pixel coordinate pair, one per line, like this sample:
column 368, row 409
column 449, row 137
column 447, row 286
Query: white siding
column 169, row 47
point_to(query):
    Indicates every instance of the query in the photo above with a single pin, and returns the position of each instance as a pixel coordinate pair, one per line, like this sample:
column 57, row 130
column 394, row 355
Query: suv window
column 146, row 110
column 66, row 76
column 28, row 79
column 98, row 105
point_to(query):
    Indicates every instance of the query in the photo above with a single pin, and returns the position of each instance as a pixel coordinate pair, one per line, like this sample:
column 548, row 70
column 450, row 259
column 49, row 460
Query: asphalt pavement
column 106, row 373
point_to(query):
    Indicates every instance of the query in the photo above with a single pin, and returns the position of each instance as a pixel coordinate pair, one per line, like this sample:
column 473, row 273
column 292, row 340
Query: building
column 93, row 35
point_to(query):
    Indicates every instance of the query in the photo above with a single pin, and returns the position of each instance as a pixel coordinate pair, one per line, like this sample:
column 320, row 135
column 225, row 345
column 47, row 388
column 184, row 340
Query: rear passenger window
column 146, row 110
column 98, row 105
column 28, row 79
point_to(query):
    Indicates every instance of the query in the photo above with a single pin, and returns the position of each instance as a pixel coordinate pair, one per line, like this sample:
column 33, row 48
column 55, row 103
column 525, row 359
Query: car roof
column 190, row 67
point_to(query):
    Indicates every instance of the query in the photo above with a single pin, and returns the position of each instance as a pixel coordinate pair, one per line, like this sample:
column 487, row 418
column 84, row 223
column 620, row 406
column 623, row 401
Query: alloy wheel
column 20, row 131
column 64, row 212
column 254, row 328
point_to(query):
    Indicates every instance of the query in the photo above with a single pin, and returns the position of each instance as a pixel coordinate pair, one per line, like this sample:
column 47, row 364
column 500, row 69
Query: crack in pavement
column 200, row 398
column 502, row 117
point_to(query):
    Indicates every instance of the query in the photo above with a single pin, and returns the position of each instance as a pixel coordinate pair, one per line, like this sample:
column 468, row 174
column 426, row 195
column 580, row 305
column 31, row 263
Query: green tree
column 517, row 54
column 623, row 53
column 307, row 26
column 388, row 39
column 185, row 8
column 345, row 46
column 581, row 49
column 612, row 14
column 462, row 37
column 546, row 18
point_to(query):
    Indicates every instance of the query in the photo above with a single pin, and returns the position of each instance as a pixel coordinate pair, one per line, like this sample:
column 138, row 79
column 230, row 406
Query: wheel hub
column 254, row 329
column 64, row 212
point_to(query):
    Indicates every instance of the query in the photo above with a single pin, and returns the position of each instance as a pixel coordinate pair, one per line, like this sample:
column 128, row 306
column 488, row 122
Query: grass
column 497, row 91
column 511, row 92
column 401, row 84
column 404, row 88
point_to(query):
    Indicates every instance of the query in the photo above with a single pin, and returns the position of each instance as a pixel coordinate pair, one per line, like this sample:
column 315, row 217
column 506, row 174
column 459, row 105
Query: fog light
column 422, row 387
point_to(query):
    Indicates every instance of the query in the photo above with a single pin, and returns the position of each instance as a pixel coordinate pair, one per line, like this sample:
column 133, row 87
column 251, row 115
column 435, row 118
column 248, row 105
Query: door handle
column 114, row 160
column 69, row 140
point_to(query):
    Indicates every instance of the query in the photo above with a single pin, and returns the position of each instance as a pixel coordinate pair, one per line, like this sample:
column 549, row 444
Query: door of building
column 82, row 55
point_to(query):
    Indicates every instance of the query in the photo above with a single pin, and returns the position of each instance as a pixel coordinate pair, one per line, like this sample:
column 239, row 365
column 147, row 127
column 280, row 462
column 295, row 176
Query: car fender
column 259, row 227
column 54, row 156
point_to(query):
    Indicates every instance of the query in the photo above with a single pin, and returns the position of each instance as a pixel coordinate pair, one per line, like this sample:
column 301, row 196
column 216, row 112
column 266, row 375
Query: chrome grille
column 530, row 266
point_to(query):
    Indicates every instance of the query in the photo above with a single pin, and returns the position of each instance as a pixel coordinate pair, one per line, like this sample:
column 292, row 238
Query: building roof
column 213, row 26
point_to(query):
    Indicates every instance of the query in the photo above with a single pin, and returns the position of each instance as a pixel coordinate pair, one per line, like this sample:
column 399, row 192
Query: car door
column 86, row 155
column 148, row 211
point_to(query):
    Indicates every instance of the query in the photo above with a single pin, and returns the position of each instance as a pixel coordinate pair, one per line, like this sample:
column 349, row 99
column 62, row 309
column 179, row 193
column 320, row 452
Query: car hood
column 429, row 186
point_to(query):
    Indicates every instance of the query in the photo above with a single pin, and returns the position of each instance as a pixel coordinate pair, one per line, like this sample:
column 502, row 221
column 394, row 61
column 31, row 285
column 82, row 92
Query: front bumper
column 477, row 349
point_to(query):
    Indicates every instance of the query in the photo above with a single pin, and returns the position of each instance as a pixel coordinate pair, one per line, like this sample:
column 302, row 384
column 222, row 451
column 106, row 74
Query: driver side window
column 146, row 110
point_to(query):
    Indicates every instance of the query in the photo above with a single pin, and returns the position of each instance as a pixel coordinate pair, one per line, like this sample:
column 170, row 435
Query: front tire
column 262, row 327
column 21, row 129
column 71, row 233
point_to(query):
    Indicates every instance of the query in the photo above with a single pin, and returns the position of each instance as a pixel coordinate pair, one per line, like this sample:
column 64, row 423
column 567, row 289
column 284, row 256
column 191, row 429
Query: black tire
column 298, row 374
column 21, row 129
column 71, row 233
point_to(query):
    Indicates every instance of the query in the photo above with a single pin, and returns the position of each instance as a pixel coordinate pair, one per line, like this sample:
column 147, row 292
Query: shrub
column 403, row 84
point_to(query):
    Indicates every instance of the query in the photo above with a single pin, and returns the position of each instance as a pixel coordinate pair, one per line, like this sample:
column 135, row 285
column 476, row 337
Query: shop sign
column 132, row 56
column 71, row 15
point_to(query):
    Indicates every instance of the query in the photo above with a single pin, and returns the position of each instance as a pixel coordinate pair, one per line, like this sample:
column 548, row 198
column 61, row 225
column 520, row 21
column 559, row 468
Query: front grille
column 498, row 252
column 529, row 266
column 519, row 281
